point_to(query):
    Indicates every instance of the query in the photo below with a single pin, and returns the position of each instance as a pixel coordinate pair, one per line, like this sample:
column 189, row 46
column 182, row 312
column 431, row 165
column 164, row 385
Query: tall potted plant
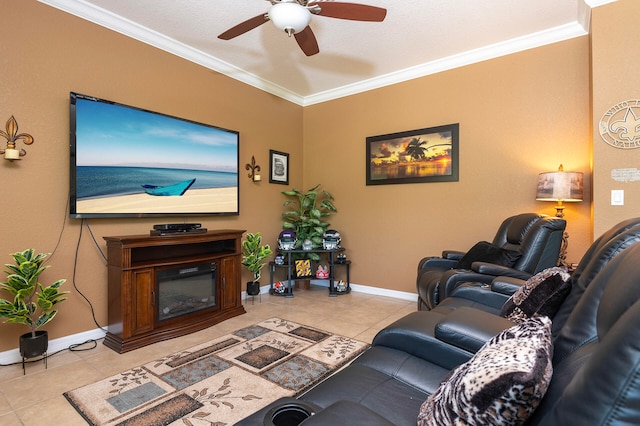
column 253, row 256
column 306, row 214
column 31, row 304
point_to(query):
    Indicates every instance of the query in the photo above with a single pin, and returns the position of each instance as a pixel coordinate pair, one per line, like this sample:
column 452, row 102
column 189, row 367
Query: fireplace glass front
column 185, row 290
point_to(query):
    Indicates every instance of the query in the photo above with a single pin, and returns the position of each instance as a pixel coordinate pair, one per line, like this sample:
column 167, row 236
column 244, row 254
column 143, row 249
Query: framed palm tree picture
column 415, row 156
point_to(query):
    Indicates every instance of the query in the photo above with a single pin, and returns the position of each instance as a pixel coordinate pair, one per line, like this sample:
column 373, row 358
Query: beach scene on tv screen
column 134, row 161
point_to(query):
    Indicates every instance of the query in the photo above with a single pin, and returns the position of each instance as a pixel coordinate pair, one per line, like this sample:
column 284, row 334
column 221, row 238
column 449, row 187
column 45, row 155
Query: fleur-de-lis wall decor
column 620, row 125
column 253, row 170
column 12, row 136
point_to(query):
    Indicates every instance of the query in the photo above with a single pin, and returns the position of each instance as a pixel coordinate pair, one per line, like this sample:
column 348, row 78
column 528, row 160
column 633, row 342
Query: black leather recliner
column 596, row 359
column 537, row 238
column 492, row 297
column 468, row 323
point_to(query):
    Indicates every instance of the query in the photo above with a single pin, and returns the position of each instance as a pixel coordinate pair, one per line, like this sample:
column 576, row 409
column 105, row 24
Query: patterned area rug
column 219, row 382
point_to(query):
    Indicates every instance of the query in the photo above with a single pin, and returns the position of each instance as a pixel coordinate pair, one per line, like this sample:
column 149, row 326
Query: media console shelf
column 134, row 300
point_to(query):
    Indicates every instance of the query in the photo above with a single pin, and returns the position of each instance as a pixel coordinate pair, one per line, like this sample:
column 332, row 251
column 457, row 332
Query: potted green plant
column 253, row 256
column 31, row 304
column 306, row 215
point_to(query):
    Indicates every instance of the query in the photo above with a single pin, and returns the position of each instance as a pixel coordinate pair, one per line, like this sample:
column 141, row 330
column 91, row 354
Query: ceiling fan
column 293, row 17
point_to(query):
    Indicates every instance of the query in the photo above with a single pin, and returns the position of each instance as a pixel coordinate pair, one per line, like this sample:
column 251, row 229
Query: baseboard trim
column 55, row 345
column 411, row 297
column 403, row 295
column 13, row 355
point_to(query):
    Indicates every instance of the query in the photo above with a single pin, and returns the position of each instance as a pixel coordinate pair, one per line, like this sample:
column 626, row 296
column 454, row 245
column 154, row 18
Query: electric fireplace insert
column 185, row 289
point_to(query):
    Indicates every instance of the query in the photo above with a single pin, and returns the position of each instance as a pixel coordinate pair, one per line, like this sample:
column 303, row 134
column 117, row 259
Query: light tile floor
column 36, row 398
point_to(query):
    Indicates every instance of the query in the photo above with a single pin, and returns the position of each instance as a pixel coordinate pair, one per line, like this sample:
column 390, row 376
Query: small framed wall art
column 278, row 167
column 423, row 155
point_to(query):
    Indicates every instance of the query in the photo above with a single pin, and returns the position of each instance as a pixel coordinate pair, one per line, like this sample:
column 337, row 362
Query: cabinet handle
column 153, row 298
column 224, row 283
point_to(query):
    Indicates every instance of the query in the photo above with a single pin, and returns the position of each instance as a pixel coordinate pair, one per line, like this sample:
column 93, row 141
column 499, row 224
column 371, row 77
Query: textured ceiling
column 418, row 37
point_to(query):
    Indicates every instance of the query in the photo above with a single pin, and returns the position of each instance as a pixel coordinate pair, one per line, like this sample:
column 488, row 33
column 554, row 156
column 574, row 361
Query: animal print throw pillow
column 542, row 294
column 502, row 384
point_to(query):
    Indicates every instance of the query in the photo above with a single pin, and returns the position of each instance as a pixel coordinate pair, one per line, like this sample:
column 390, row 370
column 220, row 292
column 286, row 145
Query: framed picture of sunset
column 415, row 156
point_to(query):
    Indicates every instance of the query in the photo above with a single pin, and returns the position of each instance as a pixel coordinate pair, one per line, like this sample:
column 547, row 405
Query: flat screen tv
column 129, row 162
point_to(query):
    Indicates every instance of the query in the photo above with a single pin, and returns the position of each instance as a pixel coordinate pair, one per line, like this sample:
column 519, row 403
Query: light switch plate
column 617, row 197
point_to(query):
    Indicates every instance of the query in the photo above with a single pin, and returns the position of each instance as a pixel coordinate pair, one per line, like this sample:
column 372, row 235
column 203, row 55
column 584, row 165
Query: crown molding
column 109, row 20
column 104, row 18
column 596, row 3
column 508, row 47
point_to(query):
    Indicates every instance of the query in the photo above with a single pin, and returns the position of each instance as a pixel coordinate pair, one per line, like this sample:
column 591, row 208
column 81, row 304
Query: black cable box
column 176, row 226
column 155, row 232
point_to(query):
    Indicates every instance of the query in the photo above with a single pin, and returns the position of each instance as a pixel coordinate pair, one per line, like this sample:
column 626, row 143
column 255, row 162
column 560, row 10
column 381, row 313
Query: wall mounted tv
column 129, row 162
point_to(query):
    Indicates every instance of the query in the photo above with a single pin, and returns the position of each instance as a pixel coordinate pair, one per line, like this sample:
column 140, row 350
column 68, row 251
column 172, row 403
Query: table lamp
column 560, row 187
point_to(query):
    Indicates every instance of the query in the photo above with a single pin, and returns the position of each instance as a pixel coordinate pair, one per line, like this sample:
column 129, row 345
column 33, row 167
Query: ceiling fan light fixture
column 289, row 17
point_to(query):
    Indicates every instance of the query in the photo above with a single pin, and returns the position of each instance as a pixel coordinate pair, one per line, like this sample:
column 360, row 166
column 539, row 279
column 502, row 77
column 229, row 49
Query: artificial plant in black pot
column 253, row 256
column 306, row 214
column 32, row 304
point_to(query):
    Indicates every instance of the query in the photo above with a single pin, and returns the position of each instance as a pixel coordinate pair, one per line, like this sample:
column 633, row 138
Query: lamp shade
column 289, row 17
column 560, row 186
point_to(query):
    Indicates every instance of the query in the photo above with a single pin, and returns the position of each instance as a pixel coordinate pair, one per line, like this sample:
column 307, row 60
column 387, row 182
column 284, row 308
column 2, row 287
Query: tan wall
column 519, row 115
column 51, row 53
column 615, row 79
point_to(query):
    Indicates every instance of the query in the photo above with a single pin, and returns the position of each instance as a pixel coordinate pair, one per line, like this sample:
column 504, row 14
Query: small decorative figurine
column 322, row 272
column 341, row 258
column 307, row 245
column 331, row 240
column 341, row 286
column 287, row 240
column 279, row 287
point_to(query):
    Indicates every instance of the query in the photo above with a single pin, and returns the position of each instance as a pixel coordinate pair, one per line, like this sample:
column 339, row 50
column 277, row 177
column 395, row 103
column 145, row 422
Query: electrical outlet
column 617, row 197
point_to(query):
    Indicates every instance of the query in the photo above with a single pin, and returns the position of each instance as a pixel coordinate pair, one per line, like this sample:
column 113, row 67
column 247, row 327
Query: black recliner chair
column 596, row 357
column 536, row 239
column 470, row 321
column 492, row 297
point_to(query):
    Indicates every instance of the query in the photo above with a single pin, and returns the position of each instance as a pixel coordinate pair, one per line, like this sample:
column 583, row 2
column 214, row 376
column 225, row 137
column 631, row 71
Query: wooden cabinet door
column 230, row 282
column 143, row 294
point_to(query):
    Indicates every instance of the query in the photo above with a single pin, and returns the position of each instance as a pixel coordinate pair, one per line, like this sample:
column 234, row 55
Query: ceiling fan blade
column 307, row 41
column 352, row 11
column 243, row 27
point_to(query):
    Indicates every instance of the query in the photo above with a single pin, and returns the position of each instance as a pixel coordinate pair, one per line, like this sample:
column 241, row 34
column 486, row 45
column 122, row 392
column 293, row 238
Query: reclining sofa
column 595, row 356
column 491, row 297
column 524, row 245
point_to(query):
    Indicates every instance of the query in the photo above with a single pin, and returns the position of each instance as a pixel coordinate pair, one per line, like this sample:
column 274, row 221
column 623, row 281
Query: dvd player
column 176, row 226
column 156, row 232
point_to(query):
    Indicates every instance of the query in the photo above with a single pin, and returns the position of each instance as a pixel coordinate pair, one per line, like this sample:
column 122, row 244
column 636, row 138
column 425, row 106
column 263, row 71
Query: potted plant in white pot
column 253, row 256
column 32, row 304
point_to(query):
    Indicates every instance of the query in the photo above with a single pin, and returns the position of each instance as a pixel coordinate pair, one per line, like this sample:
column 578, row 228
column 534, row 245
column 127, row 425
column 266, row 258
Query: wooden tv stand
column 132, row 263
